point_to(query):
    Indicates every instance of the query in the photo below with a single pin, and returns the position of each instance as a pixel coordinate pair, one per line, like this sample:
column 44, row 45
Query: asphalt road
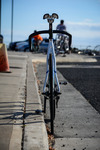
column 85, row 77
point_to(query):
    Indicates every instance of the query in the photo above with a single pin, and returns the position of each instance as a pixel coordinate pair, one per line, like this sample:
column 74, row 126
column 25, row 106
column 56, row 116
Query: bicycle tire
column 52, row 102
column 45, row 99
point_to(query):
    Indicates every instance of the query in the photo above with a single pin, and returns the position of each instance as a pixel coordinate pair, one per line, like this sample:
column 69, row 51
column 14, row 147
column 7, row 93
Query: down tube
column 55, row 74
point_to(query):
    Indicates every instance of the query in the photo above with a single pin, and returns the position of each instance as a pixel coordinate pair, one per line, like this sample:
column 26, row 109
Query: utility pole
column 12, row 21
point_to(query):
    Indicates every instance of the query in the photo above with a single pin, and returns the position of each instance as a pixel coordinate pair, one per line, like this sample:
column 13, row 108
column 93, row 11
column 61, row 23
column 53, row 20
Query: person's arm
column 57, row 28
column 64, row 28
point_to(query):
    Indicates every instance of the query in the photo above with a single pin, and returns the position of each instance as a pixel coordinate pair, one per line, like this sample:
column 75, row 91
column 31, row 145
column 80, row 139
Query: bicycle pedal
column 63, row 83
column 57, row 93
column 45, row 93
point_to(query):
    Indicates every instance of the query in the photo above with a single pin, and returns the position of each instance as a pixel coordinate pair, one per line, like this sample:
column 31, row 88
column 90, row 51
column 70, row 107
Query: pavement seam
column 24, row 111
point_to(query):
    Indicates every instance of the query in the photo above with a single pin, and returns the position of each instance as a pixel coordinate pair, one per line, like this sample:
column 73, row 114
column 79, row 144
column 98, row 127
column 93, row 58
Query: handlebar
column 50, row 18
column 47, row 31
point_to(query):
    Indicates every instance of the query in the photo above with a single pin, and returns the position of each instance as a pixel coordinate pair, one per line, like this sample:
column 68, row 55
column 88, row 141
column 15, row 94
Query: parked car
column 90, row 52
column 22, row 46
column 44, row 45
column 12, row 45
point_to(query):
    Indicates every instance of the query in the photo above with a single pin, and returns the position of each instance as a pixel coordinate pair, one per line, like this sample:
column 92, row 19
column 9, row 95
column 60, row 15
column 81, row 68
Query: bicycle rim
column 52, row 105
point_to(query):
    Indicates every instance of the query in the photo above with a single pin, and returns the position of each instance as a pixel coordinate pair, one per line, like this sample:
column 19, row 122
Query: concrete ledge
column 35, row 135
column 68, row 58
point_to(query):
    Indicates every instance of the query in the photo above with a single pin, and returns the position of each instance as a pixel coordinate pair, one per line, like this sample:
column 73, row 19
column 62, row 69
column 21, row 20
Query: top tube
column 47, row 31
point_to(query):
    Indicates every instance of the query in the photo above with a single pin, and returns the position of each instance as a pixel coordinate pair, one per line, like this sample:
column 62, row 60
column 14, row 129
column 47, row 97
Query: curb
column 35, row 135
column 43, row 125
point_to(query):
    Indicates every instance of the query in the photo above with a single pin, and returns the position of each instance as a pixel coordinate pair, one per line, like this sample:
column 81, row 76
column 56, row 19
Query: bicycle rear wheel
column 52, row 101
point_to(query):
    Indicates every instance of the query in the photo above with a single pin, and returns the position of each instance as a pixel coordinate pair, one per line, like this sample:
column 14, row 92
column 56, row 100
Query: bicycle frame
column 51, row 87
column 55, row 78
column 51, row 50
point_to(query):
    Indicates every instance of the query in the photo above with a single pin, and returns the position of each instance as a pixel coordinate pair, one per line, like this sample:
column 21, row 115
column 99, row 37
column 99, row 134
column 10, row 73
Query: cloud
column 86, row 24
column 86, row 28
column 81, row 33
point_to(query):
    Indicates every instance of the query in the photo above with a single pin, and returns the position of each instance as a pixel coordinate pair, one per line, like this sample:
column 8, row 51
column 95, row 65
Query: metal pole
column 12, row 21
column 0, row 16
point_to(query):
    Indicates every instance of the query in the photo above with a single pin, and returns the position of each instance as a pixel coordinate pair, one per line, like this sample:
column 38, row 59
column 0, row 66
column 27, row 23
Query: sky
column 82, row 18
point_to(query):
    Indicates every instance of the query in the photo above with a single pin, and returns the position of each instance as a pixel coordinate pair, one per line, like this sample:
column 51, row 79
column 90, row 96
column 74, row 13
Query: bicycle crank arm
column 63, row 82
column 57, row 99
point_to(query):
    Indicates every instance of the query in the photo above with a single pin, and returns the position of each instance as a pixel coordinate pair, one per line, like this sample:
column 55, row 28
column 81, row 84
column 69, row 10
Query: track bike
column 51, row 89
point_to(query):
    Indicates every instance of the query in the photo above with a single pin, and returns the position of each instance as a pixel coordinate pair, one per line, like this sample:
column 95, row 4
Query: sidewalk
column 12, row 95
column 20, row 126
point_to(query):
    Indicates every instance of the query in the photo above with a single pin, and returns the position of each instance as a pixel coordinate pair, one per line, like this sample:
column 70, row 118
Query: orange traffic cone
column 4, row 65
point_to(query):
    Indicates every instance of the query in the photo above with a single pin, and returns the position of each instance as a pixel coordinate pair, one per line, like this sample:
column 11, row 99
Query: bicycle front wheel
column 52, row 101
